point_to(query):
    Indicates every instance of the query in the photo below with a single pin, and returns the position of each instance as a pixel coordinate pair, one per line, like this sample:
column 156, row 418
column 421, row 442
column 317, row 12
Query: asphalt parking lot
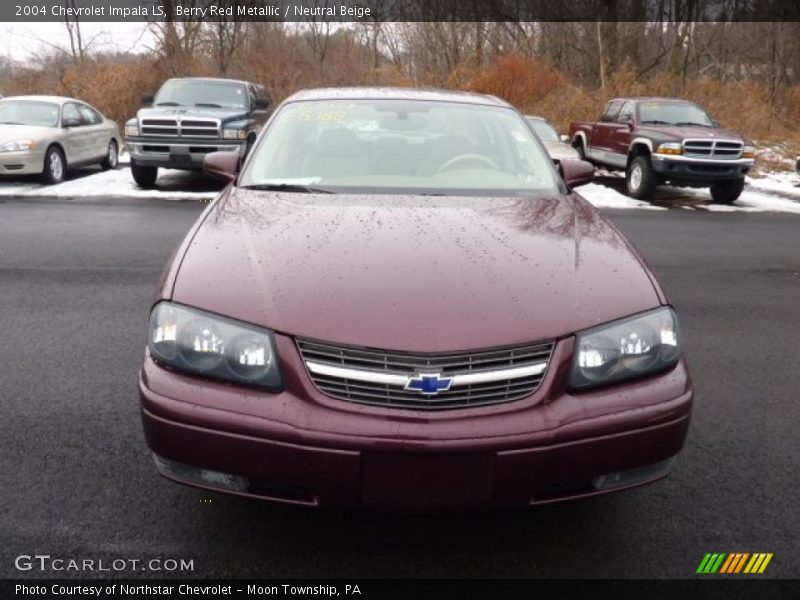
column 76, row 280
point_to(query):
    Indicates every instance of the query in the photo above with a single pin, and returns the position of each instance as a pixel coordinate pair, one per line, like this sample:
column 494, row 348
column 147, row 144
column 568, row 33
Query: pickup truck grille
column 717, row 149
column 187, row 128
column 344, row 372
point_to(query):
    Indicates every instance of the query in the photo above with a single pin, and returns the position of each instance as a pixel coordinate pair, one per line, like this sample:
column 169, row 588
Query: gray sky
column 20, row 41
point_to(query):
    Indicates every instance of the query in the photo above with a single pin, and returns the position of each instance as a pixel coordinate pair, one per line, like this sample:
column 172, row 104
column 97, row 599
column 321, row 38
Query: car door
column 601, row 137
column 96, row 134
column 620, row 134
column 75, row 137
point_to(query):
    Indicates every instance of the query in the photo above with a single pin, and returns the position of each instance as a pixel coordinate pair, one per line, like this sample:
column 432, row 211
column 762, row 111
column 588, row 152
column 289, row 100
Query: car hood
column 682, row 133
column 13, row 133
column 412, row 273
column 223, row 114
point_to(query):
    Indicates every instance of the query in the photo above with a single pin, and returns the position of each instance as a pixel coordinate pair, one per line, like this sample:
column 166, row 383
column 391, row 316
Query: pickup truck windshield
column 204, row 93
column 400, row 147
column 28, row 112
column 673, row 113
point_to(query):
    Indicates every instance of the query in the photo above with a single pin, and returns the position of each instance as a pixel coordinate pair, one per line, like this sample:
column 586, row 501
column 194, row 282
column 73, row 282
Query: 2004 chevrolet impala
column 399, row 303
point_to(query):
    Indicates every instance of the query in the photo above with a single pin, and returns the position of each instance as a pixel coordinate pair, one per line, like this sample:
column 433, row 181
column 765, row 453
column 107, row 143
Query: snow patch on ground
column 118, row 182
column 787, row 184
column 605, row 197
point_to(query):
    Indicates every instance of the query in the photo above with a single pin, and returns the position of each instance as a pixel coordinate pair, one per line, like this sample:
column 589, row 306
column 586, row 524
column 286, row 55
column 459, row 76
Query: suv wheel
column 145, row 177
column 112, row 157
column 55, row 166
column 640, row 180
column 726, row 192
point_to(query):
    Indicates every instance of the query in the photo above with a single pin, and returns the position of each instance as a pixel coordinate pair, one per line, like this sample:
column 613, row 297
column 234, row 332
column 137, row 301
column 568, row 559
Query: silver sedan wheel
column 56, row 166
column 113, row 155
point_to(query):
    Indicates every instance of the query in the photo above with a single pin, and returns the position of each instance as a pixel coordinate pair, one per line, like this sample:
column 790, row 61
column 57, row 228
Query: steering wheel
column 467, row 157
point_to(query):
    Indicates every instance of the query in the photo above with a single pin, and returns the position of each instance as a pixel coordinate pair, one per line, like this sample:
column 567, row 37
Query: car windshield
column 544, row 130
column 673, row 113
column 28, row 112
column 400, row 147
column 211, row 94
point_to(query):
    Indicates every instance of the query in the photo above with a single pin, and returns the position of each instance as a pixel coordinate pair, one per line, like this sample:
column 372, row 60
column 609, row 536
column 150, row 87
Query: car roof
column 653, row 99
column 396, row 93
column 213, row 79
column 44, row 98
column 538, row 118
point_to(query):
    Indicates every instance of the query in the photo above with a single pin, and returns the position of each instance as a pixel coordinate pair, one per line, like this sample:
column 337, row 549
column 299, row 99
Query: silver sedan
column 46, row 135
column 557, row 146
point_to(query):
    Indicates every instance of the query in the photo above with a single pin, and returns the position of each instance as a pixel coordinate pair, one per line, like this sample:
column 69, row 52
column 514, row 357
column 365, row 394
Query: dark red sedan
column 399, row 303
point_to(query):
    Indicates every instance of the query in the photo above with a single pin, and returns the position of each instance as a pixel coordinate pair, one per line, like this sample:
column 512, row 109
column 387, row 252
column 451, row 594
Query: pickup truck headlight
column 202, row 343
column 132, row 128
column 626, row 349
column 670, row 148
column 234, row 134
column 748, row 152
column 18, row 146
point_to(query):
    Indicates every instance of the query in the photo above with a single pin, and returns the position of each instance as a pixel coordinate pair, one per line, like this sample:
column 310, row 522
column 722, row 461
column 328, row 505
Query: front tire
column 640, row 179
column 727, row 192
column 55, row 166
column 145, row 177
column 112, row 156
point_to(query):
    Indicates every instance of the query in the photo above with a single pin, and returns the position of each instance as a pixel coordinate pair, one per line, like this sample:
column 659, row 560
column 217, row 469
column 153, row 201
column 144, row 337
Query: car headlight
column 748, row 152
column 234, row 134
column 203, row 343
column 670, row 148
column 626, row 349
column 132, row 128
column 18, row 146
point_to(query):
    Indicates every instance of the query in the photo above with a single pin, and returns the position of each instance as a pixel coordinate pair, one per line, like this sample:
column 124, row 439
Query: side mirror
column 148, row 99
column 261, row 104
column 67, row 123
column 576, row 172
column 564, row 138
column 222, row 165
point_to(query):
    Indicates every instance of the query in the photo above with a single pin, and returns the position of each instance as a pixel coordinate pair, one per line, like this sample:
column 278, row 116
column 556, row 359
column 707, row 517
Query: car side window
column 88, row 116
column 626, row 113
column 70, row 113
column 610, row 115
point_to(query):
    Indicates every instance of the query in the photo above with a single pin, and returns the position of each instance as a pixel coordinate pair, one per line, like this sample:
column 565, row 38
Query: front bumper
column 21, row 163
column 178, row 153
column 300, row 446
column 699, row 171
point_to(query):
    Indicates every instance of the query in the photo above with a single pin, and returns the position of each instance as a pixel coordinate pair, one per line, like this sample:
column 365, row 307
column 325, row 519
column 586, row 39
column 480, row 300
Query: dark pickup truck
column 190, row 117
column 664, row 140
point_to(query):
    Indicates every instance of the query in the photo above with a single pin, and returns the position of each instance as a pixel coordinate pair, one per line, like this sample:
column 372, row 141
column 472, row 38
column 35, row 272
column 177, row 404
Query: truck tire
column 640, row 179
column 726, row 192
column 578, row 145
column 145, row 177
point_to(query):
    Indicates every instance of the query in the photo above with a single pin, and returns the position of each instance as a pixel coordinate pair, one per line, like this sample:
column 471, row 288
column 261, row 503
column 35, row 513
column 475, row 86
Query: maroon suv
column 399, row 303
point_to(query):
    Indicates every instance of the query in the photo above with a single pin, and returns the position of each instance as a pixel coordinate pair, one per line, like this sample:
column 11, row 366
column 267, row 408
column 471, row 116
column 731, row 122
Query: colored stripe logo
column 734, row 563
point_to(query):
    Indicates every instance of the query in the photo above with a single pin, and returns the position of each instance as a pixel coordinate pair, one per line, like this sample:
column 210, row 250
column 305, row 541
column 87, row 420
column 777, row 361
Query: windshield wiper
column 167, row 104
column 208, row 104
column 288, row 187
column 691, row 123
column 655, row 122
column 10, row 123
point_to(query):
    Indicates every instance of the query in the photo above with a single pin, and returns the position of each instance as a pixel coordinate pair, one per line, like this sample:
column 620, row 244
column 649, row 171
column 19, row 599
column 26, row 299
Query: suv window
column 612, row 109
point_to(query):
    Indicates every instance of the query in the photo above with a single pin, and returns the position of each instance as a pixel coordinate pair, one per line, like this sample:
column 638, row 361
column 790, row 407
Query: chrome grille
column 189, row 128
column 370, row 361
column 720, row 149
